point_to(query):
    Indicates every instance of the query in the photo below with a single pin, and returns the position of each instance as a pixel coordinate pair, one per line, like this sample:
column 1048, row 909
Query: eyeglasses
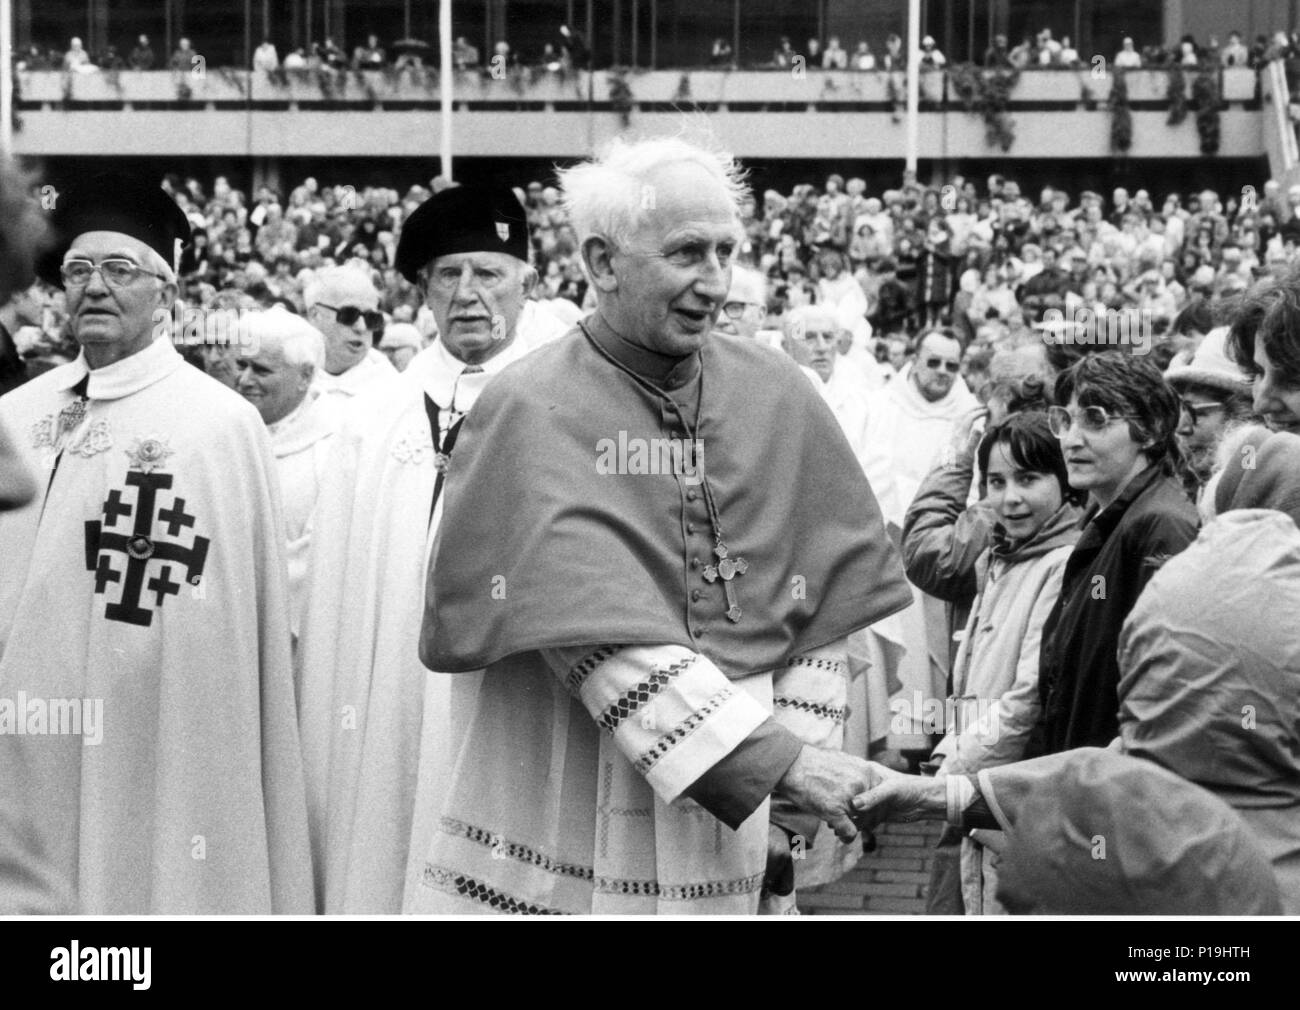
column 734, row 310
column 1196, row 410
column 934, row 364
column 117, row 273
column 1090, row 419
column 347, row 315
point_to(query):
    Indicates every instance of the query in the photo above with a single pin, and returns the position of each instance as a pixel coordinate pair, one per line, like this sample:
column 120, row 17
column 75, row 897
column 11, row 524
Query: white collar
column 439, row 373
column 353, row 380
column 129, row 375
column 302, row 427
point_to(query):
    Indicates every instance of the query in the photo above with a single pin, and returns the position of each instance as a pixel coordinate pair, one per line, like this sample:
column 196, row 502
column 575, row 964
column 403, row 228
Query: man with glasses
column 343, row 303
column 1214, row 395
column 745, row 310
column 362, row 688
column 145, row 588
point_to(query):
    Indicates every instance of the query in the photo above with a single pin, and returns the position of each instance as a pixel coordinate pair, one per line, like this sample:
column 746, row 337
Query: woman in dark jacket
column 1117, row 435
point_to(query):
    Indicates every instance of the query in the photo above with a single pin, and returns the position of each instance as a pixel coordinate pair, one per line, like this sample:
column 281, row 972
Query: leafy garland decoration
column 620, row 94
column 1121, row 122
column 988, row 92
column 1176, row 92
column 1206, row 98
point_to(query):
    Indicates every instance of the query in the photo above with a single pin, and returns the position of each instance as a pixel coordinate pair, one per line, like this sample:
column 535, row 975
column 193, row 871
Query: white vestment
column 144, row 630
column 300, row 442
column 361, row 684
column 338, row 389
column 905, row 435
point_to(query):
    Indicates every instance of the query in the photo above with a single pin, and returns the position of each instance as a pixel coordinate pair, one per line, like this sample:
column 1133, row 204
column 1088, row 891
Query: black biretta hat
column 115, row 201
column 462, row 219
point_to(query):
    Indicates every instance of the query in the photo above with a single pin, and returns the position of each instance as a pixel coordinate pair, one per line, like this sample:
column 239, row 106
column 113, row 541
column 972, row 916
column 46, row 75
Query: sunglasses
column 934, row 364
column 347, row 315
column 1089, row 419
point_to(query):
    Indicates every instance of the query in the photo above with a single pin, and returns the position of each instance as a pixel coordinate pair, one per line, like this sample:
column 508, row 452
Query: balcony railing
column 645, row 90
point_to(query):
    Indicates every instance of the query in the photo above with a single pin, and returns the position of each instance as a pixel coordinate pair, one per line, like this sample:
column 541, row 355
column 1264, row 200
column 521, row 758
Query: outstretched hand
column 824, row 782
column 895, row 796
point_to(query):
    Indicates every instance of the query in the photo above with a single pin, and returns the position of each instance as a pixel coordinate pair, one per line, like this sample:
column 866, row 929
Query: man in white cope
column 343, row 303
column 144, row 631
column 812, row 337
column 281, row 354
column 362, row 687
column 639, row 606
column 909, row 423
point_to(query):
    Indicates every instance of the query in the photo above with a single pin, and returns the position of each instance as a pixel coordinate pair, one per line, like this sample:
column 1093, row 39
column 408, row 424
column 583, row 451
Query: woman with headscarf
column 1208, row 692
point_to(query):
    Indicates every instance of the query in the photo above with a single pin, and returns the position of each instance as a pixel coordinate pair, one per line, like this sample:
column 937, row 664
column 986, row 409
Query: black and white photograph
column 650, row 459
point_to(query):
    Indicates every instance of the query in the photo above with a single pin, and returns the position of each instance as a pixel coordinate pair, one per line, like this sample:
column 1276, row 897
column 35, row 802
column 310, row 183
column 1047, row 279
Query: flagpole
column 444, row 87
column 913, row 82
column 6, row 79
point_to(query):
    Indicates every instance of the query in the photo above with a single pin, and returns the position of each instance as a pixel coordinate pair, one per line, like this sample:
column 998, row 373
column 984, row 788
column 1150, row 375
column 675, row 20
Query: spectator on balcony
column 550, row 60
column 835, row 57
column 813, row 54
column 720, row 54
column 331, row 55
column 371, row 56
column 463, row 55
column 1068, row 56
column 110, row 60
column 894, row 58
column 1188, row 54
column 1049, row 50
column 996, row 55
column 183, row 59
column 142, row 57
column 863, row 57
column 295, row 60
column 575, row 46
column 76, row 60
column 1234, row 54
column 784, row 55
column 931, row 57
column 1127, row 58
column 265, row 58
column 1022, row 55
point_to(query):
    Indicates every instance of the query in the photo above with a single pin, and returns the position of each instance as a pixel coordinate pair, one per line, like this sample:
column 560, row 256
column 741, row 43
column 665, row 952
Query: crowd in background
column 985, row 259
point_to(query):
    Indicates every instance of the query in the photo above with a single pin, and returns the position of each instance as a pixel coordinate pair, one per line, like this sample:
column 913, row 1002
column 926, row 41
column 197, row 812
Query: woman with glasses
column 1117, row 434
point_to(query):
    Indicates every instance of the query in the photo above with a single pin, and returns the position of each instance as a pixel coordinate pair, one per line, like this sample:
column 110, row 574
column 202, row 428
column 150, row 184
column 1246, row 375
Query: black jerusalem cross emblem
column 140, row 547
column 727, row 569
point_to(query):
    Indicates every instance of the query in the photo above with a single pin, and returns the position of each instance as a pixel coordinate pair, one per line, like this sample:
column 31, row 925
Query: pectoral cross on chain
column 727, row 569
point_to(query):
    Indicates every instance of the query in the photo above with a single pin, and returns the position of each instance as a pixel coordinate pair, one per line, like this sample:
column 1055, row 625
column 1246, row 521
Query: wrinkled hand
column 894, row 796
column 824, row 782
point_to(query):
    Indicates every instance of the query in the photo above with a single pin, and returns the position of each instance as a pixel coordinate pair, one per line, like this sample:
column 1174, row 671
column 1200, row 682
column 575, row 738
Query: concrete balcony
column 823, row 114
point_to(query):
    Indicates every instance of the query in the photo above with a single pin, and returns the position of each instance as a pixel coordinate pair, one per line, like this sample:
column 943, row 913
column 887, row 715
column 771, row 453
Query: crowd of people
column 1038, row 505
column 568, row 51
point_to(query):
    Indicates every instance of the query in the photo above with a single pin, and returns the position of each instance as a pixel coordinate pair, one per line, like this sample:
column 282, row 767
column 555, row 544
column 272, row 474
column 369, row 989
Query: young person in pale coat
column 995, row 676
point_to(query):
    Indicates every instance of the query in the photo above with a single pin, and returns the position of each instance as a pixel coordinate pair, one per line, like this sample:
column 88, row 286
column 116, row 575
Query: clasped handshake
column 853, row 795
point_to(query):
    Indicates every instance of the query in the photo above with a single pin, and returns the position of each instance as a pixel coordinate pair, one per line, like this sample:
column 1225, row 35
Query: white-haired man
column 144, row 590
column 592, row 564
column 283, row 353
column 745, row 310
column 362, row 688
column 343, row 303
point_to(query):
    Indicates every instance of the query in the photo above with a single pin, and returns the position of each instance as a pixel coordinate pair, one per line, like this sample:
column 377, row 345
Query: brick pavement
column 889, row 881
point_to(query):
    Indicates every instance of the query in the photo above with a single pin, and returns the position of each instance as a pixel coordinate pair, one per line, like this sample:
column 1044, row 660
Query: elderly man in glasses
column 745, row 309
column 910, row 422
column 143, row 607
column 343, row 303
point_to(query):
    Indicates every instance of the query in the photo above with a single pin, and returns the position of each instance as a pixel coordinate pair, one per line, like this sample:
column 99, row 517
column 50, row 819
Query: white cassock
column 362, row 688
column 144, row 591
column 905, row 435
column 338, row 389
column 301, row 442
